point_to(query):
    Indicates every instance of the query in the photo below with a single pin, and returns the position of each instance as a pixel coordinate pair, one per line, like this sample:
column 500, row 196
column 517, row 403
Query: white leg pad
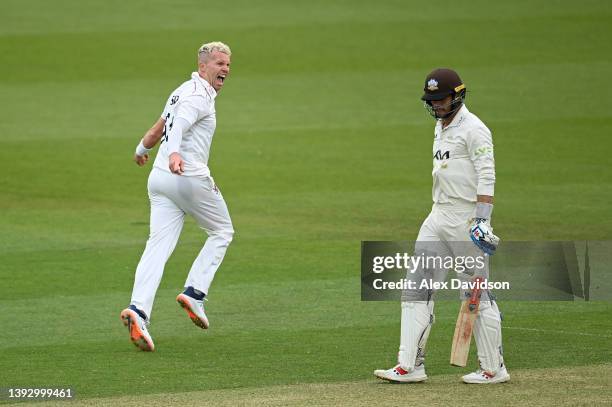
column 487, row 333
column 417, row 317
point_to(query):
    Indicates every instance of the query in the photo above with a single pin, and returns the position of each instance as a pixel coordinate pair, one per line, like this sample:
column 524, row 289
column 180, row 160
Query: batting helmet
column 440, row 83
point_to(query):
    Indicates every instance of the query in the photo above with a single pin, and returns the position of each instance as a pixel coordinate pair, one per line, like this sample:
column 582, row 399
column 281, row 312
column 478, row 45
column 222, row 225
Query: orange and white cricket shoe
column 482, row 377
column 138, row 329
column 399, row 375
column 194, row 308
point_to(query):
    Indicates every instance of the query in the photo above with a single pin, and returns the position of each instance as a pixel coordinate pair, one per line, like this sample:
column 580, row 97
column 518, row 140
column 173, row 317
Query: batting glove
column 482, row 235
column 481, row 231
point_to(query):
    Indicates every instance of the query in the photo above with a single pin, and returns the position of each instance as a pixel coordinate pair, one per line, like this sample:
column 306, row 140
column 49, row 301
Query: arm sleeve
column 167, row 107
column 164, row 114
column 178, row 126
column 480, row 147
column 186, row 113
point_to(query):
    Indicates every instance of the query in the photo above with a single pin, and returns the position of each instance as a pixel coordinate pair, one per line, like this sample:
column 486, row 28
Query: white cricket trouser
column 448, row 222
column 172, row 196
column 445, row 232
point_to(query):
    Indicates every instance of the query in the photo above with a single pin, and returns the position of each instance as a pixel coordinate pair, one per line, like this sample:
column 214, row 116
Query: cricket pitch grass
column 583, row 386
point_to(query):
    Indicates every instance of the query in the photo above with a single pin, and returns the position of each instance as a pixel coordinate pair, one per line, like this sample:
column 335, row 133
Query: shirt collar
column 457, row 120
column 209, row 89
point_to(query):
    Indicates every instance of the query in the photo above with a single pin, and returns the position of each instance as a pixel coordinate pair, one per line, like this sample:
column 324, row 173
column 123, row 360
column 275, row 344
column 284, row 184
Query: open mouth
column 221, row 78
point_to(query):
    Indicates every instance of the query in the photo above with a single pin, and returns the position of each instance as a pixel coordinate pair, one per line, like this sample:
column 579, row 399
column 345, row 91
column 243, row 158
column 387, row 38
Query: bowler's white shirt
column 463, row 161
column 193, row 101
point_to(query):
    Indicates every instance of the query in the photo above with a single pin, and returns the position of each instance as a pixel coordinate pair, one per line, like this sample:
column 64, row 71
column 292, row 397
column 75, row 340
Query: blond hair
column 206, row 50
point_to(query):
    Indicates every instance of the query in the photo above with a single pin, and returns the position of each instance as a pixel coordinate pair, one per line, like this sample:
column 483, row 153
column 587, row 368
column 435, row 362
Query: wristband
column 141, row 149
column 483, row 210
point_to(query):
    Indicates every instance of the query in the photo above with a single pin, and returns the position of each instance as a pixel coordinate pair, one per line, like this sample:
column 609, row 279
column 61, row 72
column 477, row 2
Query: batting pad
column 417, row 317
column 487, row 333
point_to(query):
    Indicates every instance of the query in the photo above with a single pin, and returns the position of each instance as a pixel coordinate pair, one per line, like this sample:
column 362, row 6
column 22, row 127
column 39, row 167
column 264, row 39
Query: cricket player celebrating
column 180, row 183
column 463, row 184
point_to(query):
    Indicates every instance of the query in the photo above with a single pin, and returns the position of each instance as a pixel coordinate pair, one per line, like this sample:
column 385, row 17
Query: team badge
column 432, row 84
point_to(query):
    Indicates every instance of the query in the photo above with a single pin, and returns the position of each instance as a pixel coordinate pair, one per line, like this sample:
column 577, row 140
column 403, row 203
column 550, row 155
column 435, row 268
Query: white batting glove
column 481, row 231
column 482, row 235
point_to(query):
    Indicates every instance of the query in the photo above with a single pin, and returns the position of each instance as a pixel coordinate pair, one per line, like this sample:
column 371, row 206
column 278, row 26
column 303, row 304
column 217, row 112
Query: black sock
column 193, row 293
column 139, row 312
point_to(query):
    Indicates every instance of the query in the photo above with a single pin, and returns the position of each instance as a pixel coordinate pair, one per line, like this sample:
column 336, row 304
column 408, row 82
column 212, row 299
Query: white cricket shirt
column 193, row 101
column 463, row 161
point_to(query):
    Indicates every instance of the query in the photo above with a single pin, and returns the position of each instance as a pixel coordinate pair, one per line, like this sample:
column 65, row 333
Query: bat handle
column 475, row 295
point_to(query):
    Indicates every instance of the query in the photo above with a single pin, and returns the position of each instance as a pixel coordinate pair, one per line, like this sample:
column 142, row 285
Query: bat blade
column 463, row 335
column 464, row 327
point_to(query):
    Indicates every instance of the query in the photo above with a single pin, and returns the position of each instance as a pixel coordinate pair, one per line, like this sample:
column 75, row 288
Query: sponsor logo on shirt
column 483, row 150
column 439, row 155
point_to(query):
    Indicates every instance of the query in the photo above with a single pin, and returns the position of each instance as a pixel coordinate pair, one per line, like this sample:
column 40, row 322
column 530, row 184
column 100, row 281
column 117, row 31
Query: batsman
column 459, row 223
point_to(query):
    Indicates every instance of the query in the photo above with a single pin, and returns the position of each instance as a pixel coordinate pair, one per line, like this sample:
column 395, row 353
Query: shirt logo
column 174, row 100
column 432, row 84
column 483, row 150
column 442, row 156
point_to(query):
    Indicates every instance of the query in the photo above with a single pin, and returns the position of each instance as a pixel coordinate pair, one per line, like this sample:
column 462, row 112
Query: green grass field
column 321, row 142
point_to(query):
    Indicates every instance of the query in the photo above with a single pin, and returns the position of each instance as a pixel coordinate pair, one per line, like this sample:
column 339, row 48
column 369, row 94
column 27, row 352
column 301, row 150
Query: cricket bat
column 464, row 326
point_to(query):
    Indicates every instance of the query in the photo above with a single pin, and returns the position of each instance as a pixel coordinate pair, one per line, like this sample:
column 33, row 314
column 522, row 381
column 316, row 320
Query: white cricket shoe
column 194, row 308
column 138, row 330
column 482, row 377
column 397, row 374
